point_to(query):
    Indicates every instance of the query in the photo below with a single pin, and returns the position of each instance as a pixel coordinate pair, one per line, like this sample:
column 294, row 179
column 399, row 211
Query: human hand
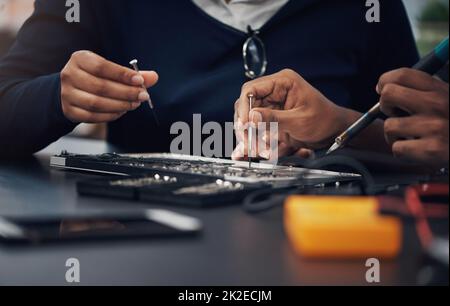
column 306, row 119
column 95, row 90
column 423, row 136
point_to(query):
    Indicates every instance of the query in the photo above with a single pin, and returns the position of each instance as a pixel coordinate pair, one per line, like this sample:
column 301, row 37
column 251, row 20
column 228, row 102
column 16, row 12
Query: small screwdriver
column 251, row 99
column 134, row 64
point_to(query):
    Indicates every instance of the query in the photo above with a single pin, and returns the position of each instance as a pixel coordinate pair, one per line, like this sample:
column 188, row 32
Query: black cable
column 351, row 163
column 264, row 200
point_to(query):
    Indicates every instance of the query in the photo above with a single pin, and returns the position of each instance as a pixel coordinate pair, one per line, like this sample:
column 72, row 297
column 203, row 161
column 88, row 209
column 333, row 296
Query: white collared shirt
column 239, row 14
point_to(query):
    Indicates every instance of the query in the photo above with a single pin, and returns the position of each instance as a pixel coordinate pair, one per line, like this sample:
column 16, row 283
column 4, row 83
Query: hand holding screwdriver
column 95, row 90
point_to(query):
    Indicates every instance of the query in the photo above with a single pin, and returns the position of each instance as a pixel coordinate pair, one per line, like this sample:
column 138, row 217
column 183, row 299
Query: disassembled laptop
column 172, row 178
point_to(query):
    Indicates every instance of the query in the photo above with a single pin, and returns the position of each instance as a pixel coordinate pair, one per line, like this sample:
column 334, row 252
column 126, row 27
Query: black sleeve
column 390, row 45
column 30, row 108
column 443, row 74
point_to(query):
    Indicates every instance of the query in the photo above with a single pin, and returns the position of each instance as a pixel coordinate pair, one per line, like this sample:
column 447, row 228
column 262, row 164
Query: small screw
column 134, row 64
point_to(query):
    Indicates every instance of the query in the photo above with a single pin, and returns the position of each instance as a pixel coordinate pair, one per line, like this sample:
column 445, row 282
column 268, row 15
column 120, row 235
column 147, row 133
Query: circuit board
column 167, row 164
column 185, row 180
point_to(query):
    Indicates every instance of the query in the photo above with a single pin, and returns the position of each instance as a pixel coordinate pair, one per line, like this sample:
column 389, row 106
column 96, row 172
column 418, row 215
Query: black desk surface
column 235, row 249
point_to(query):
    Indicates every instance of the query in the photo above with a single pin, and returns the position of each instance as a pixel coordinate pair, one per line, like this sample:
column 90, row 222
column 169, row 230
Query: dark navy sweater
column 199, row 60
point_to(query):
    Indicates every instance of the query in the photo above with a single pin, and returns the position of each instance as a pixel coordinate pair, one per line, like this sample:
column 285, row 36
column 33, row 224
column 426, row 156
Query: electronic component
column 186, row 180
column 145, row 181
column 189, row 191
column 216, row 188
column 170, row 164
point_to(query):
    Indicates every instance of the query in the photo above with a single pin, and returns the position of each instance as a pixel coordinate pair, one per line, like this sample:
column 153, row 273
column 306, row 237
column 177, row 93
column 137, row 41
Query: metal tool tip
column 333, row 148
column 134, row 62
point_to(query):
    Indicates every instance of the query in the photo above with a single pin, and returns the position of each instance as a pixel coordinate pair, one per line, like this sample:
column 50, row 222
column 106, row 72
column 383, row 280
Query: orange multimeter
column 341, row 228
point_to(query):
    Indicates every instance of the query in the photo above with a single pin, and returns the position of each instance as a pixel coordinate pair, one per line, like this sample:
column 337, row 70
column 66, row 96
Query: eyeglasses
column 255, row 56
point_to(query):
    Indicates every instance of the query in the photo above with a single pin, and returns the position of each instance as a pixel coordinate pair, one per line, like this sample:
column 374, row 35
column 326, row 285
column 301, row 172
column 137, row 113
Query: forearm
column 31, row 116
